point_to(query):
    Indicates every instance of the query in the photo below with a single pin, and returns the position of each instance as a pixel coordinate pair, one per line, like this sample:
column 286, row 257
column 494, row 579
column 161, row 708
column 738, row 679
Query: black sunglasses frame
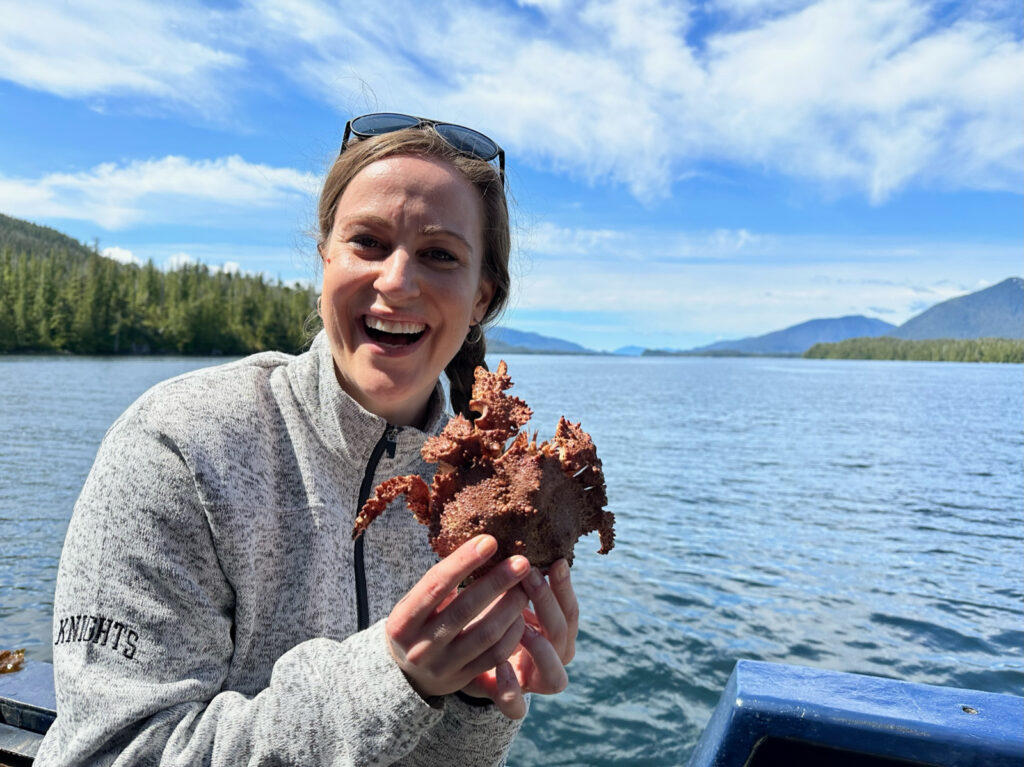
column 439, row 127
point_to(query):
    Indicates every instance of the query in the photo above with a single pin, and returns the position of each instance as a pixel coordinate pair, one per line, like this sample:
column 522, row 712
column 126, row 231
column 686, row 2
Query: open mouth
column 389, row 333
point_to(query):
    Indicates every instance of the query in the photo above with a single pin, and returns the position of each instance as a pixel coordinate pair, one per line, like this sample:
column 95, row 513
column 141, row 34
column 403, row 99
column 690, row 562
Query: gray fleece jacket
column 206, row 603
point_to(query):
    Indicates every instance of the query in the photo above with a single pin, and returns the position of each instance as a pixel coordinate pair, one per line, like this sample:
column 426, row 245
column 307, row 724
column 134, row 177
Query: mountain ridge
column 796, row 339
column 993, row 312
column 24, row 236
column 504, row 340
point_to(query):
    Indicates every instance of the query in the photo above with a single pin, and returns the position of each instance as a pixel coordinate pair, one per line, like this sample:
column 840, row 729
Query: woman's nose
column 397, row 275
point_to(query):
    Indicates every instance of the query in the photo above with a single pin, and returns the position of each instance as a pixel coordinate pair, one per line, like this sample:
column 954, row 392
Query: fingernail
column 535, row 578
column 520, row 565
column 485, row 545
column 562, row 570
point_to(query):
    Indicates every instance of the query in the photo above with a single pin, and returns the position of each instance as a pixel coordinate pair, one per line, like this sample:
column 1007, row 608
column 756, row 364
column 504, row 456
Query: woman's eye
column 365, row 241
column 440, row 255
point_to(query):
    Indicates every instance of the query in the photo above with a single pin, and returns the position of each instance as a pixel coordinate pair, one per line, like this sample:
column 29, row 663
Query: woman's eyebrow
column 427, row 229
column 432, row 229
column 359, row 218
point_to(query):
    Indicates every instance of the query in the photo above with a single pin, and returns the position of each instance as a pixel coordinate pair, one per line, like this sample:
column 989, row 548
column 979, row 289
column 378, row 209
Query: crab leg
column 606, row 530
column 417, row 496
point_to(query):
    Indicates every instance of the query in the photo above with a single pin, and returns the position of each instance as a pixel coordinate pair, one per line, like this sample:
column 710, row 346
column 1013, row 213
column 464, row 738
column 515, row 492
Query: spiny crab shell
column 536, row 500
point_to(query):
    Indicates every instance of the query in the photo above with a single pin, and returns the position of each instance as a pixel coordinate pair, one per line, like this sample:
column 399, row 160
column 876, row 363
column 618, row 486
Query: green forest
column 935, row 350
column 57, row 295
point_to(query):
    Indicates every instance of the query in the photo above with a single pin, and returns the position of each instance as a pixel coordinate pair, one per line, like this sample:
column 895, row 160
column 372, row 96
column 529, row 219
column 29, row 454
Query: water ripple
column 867, row 517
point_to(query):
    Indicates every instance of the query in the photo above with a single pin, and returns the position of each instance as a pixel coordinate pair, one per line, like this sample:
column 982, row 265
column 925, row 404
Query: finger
column 548, row 675
column 438, row 653
column 548, row 611
column 434, row 588
column 478, row 638
column 483, row 685
column 509, row 698
column 531, row 618
column 479, row 599
column 499, row 652
column 561, row 585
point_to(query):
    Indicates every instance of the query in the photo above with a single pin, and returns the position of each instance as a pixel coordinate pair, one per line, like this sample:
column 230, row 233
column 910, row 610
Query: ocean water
column 850, row 515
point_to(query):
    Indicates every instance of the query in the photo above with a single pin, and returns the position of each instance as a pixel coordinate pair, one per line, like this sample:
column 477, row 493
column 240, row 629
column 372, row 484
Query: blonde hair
column 424, row 142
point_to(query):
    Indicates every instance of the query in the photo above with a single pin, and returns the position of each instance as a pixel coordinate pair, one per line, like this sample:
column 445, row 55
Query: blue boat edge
column 28, row 706
column 774, row 713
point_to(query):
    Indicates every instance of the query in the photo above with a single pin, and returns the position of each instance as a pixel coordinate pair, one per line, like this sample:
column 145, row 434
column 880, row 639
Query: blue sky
column 682, row 171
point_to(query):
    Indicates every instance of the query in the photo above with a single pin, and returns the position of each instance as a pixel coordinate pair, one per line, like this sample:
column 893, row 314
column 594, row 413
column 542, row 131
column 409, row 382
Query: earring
column 318, row 312
column 479, row 334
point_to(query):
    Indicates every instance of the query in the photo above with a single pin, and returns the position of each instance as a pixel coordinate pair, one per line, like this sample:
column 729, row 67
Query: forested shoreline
column 57, row 295
column 60, row 296
column 931, row 350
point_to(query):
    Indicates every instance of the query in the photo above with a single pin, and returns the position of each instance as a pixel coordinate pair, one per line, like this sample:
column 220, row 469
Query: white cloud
column 122, row 255
column 116, row 196
column 663, row 289
column 174, row 261
column 548, row 6
column 873, row 95
column 870, row 94
column 228, row 267
column 298, row 262
column 866, row 95
column 179, row 260
column 755, row 10
column 671, row 308
column 117, row 47
column 629, row 247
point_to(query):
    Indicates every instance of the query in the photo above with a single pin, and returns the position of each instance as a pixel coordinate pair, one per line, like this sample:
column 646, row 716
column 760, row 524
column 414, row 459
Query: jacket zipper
column 387, row 442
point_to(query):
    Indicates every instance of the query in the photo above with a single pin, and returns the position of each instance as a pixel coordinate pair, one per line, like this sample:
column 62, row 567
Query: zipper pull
column 391, row 440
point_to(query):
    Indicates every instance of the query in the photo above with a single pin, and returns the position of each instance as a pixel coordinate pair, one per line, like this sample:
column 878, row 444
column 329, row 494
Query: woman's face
column 402, row 282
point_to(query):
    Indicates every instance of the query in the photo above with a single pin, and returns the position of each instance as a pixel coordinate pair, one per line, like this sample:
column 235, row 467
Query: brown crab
column 11, row 660
column 536, row 500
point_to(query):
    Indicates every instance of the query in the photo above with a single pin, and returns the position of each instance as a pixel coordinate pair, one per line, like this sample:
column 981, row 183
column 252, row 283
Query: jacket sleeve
column 143, row 627
column 466, row 735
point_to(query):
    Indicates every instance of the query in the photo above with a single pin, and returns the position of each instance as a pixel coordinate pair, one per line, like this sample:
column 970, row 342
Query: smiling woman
column 402, row 282
column 212, row 530
column 463, row 234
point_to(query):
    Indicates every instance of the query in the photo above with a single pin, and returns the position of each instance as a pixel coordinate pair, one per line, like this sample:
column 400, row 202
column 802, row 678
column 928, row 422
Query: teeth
column 394, row 327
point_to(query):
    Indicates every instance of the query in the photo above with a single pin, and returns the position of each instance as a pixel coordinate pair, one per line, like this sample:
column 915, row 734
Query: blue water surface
column 851, row 515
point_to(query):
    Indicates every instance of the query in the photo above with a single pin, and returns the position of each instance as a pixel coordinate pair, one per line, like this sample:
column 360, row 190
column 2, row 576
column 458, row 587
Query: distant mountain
column 995, row 312
column 629, row 351
column 799, row 338
column 508, row 340
column 25, row 237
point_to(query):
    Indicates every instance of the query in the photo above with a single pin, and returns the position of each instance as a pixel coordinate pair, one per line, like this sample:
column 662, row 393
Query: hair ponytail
column 461, row 369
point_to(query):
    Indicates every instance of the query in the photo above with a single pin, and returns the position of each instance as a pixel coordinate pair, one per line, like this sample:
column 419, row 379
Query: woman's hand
column 442, row 638
column 548, row 644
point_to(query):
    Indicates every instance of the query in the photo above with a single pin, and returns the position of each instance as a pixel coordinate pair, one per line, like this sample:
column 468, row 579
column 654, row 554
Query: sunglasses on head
column 465, row 140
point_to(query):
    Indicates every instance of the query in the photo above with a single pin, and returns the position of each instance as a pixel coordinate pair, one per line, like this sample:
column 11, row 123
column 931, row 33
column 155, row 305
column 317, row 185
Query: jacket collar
column 342, row 424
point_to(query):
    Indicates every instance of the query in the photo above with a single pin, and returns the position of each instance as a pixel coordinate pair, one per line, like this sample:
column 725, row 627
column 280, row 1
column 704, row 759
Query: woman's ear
column 484, row 294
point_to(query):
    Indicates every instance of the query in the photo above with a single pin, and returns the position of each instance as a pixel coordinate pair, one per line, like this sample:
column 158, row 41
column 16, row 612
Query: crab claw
column 417, row 496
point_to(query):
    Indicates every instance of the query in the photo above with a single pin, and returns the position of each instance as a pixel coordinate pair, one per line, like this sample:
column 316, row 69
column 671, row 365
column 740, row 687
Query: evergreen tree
column 934, row 350
column 58, row 295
